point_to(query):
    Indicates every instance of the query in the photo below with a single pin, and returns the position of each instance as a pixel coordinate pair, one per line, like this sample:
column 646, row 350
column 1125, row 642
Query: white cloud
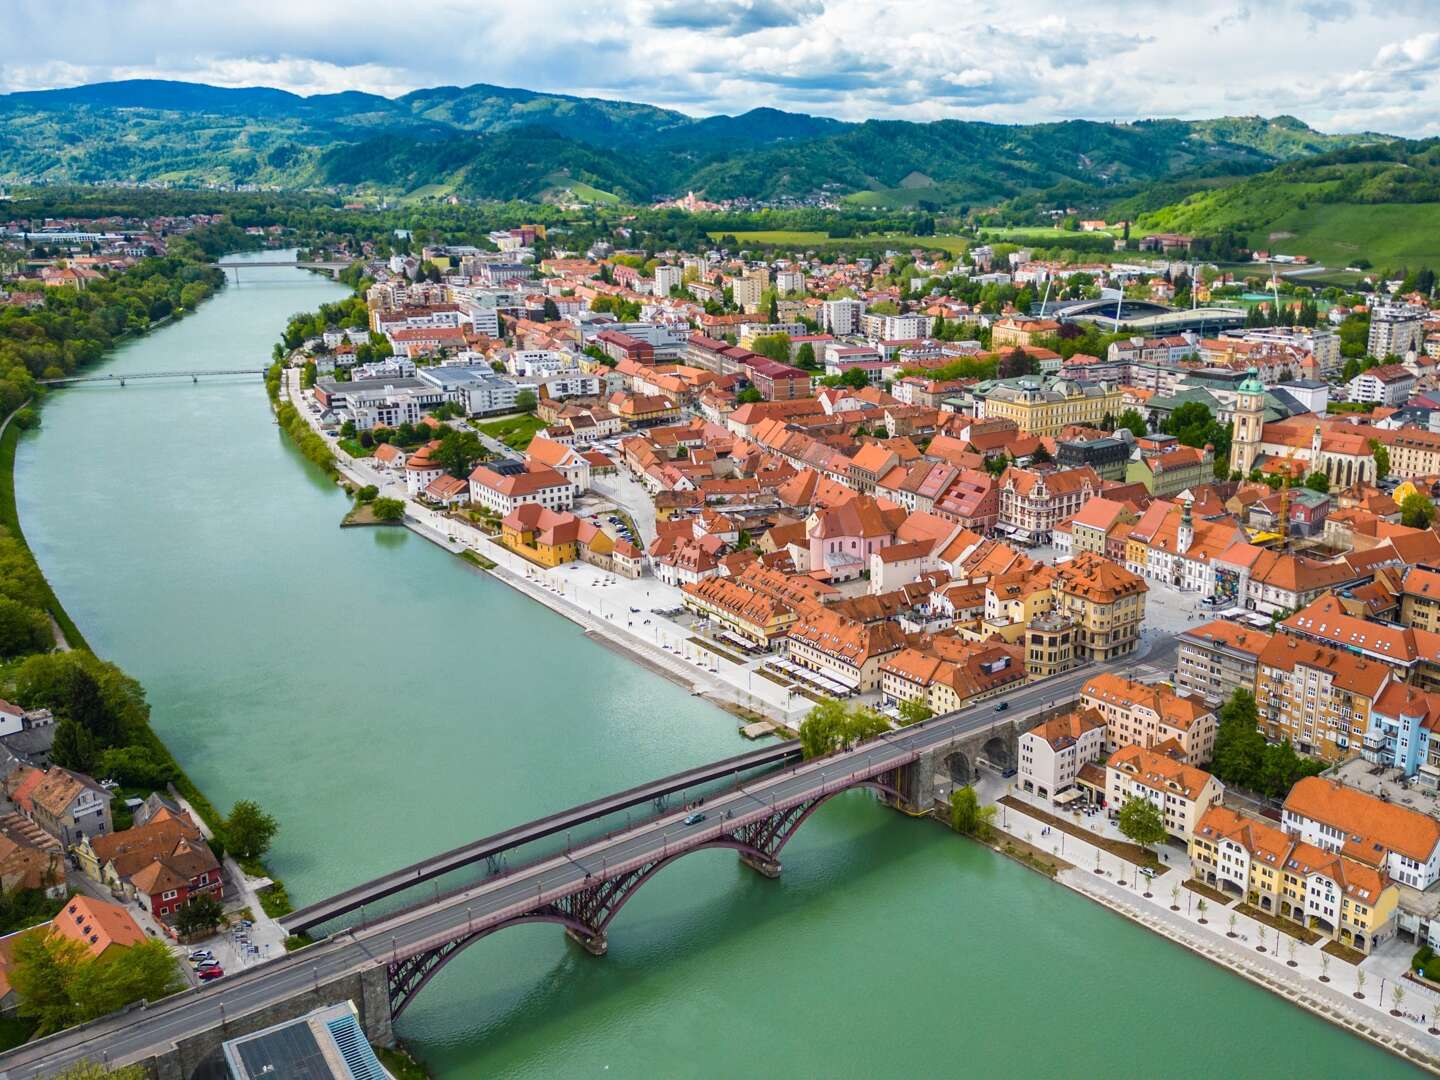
column 1338, row 64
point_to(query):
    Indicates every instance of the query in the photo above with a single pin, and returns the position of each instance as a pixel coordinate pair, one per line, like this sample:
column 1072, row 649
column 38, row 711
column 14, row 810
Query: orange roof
column 1371, row 826
column 97, row 924
column 1158, row 772
column 1231, row 635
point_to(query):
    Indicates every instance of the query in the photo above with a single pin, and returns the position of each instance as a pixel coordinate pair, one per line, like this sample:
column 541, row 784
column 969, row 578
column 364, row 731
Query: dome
column 1251, row 383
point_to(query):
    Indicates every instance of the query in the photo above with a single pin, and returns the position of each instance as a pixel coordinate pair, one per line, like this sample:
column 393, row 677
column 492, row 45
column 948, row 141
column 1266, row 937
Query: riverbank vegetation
column 74, row 327
column 831, row 726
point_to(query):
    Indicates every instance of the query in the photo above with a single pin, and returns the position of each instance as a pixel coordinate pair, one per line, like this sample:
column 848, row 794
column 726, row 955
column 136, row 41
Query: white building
column 666, row 278
column 1332, row 816
column 1396, row 329
column 1051, row 755
column 841, row 317
column 1389, row 384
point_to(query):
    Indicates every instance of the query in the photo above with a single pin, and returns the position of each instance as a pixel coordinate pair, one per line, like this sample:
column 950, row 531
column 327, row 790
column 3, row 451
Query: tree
column 967, row 816
column 915, row 711
column 1041, row 456
column 202, row 913
column 458, row 452
column 249, row 830
column 388, row 509
column 805, row 357
column 823, row 728
column 43, row 968
column 1318, row 481
column 1416, row 511
column 85, row 704
column 1381, row 454
column 774, row 346
column 136, row 766
column 749, row 396
column 1141, row 821
column 550, row 312
column 855, row 378
column 367, row 493
column 526, row 401
column 74, row 747
column 88, row 1070
column 23, row 630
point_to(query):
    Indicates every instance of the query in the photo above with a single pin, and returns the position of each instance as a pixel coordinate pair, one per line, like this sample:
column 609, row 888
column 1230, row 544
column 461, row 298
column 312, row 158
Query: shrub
column 367, row 493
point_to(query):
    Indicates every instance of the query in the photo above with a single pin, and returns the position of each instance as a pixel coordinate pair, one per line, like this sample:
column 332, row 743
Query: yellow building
column 1420, row 600
column 1318, row 697
column 547, row 537
column 1347, row 900
column 1045, row 405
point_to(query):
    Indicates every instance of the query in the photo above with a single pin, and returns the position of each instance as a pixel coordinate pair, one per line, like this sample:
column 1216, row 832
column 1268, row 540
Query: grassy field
column 1034, row 234
column 1388, row 234
column 954, row 245
column 592, row 194
column 515, row 432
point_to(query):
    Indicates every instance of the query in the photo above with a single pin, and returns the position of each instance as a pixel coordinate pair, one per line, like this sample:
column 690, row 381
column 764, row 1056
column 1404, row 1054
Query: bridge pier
column 769, row 868
column 595, row 944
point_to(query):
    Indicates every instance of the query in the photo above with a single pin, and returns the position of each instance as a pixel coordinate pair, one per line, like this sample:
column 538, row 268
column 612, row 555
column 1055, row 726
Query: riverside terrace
column 382, row 965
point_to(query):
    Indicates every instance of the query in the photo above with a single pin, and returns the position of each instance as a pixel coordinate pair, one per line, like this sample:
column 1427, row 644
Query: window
column 169, row 895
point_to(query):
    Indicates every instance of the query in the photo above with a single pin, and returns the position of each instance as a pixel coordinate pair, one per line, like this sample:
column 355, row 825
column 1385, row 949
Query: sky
column 1339, row 65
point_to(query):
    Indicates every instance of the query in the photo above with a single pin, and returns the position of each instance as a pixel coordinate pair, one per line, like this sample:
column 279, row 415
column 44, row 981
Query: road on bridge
column 141, row 1034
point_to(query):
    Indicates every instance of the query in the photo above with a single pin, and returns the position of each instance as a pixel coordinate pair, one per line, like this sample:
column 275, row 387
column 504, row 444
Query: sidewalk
column 1120, row 888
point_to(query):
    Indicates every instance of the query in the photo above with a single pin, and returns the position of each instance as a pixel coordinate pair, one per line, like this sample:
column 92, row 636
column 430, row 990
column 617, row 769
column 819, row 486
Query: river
column 386, row 701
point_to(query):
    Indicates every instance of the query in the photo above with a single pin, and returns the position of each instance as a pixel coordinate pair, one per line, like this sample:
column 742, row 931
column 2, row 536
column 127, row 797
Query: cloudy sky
column 1341, row 65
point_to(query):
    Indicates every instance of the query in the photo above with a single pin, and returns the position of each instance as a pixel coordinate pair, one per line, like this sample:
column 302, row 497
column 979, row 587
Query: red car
column 209, row 974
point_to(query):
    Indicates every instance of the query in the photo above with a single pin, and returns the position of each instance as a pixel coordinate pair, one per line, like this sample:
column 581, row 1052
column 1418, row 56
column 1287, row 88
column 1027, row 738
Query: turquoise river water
column 386, row 701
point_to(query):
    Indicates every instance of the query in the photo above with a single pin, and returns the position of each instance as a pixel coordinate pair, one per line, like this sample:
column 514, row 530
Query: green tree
column 526, row 401
column 855, row 378
column 968, row 816
column 199, row 915
column 367, row 493
column 85, row 704
column 1382, row 458
column 89, row 1070
column 1142, row 822
column 1318, row 481
column 136, row 766
column 74, row 747
column 23, row 630
column 43, row 973
column 550, row 311
column 388, row 509
column 458, row 452
column 1416, row 511
column 249, row 830
column 805, row 357
column 749, row 396
column 775, row 346
column 823, row 728
column 914, row 711
column 144, row 971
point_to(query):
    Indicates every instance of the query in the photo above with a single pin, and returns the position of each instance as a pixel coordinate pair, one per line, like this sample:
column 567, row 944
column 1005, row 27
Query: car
column 695, row 818
column 1009, row 772
column 201, row 954
column 211, row 974
column 1001, row 706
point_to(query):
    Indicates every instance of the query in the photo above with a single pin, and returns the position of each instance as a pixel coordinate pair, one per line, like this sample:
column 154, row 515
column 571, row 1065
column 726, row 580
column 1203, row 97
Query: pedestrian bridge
column 121, row 380
column 387, row 938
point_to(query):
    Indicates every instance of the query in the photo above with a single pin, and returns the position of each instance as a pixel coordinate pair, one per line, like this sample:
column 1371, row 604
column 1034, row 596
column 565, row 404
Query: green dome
column 1251, row 383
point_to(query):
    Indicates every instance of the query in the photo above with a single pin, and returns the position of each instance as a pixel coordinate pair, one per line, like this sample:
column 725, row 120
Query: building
column 841, row 317
column 755, row 617
column 1169, row 468
column 1046, row 405
column 1389, row 384
column 70, row 806
column 161, row 864
column 1396, row 329
column 1148, row 714
column 1052, row 753
column 326, row 1044
column 845, row 651
column 1109, row 457
column 1105, row 603
column 1317, row 696
column 544, row 536
column 1400, row 734
column 104, row 929
column 1420, row 599
column 1351, row 901
column 501, row 493
column 1402, row 842
column 1219, row 658
column 1182, row 793
column 1022, row 333
column 1033, row 501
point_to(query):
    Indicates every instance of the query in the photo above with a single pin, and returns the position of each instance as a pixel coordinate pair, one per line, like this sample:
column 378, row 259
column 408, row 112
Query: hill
column 1379, row 203
column 458, row 138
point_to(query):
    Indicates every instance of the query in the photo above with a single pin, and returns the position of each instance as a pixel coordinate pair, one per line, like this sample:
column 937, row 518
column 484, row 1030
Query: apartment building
column 1182, row 793
column 1104, row 601
column 1219, row 658
column 1316, row 696
column 1396, row 329
column 1149, row 714
column 1420, row 599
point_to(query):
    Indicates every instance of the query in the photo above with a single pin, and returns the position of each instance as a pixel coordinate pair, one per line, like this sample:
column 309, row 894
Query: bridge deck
column 428, row 869
column 121, row 377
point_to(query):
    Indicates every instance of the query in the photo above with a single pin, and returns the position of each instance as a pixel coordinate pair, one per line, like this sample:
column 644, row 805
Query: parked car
column 211, row 974
column 201, row 954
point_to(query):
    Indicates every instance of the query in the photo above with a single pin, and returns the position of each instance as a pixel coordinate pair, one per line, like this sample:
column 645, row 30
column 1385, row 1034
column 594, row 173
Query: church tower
column 1249, row 423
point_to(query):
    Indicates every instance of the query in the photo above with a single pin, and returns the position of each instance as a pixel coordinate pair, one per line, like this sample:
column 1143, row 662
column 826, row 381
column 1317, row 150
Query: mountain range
column 494, row 142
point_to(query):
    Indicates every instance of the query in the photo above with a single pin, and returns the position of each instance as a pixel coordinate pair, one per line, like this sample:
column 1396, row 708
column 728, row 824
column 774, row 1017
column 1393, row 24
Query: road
column 141, row 1034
